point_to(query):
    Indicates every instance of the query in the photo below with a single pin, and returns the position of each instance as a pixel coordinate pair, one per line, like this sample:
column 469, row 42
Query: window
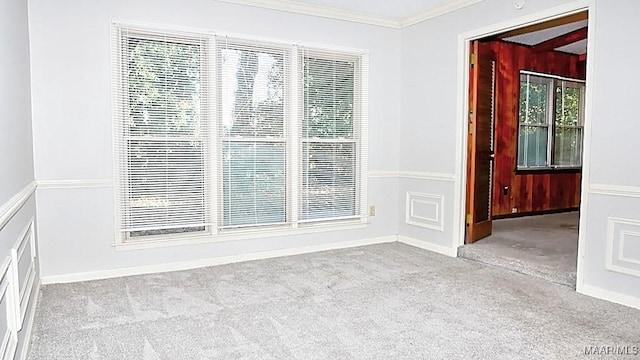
column 252, row 134
column 329, row 137
column 216, row 134
column 551, row 115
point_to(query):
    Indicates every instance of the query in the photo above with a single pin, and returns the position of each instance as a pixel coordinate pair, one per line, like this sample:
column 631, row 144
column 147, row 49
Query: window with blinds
column 217, row 134
column 329, row 138
column 161, row 134
column 252, row 133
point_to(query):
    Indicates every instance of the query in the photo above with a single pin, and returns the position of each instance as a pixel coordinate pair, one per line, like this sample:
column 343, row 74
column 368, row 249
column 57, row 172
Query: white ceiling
column 533, row 38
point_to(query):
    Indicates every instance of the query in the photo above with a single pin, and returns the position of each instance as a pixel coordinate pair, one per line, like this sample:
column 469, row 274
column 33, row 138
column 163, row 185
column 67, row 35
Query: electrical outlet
column 372, row 210
column 514, row 210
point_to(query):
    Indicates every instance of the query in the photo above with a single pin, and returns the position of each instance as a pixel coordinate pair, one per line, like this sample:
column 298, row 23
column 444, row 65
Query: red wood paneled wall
column 528, row 193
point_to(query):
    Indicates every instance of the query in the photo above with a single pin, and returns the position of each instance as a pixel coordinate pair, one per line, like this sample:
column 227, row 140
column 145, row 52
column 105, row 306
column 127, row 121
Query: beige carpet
column 388, row 301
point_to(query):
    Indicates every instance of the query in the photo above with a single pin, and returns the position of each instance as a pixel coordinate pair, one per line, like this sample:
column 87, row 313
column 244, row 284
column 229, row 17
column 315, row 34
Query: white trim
column 435, row 223
column 23, row 291
column 551, row 76
column 74, row 183
column 427, row 176
column 382, row 174
column 447, row 7
column 29, row 327
column 11, row 207
column 586, row 149
column 186, row 265
column 444, row 250
column 9, row 342
column 464, row 40
column 615, row 190
column 363, row 136
column 422, row 175
column 318, row 10
column 341, row 14
column 619, row 257
column 257, row 232
column 612, row 296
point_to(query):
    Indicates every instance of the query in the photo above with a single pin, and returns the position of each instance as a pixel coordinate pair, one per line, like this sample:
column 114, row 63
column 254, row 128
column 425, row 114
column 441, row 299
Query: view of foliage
column 254, row 175
column 534, row 112
column 329, row 167
column 568, row 138
column 165, row 152
column 533, row 130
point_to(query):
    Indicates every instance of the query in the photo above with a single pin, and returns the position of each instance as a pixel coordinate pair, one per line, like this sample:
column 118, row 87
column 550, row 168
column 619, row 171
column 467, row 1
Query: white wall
column 16, row 158
column 614, row 188
column 17, row 201
column 428, row 135
column 73, row 128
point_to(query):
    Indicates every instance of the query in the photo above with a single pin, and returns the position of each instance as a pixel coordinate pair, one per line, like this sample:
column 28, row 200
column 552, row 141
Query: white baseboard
column 452, row 252
column 30, row 320
column 607, row 295
column 186, row 265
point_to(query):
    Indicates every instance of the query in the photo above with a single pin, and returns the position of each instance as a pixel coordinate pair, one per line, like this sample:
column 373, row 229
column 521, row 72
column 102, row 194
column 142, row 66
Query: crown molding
column 338, row 14
column 317, row 10
column 437, row 11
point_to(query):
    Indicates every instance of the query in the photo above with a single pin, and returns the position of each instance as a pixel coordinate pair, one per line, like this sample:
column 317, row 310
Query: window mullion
column 551, row 122
column 292, row 122
column 213, row 165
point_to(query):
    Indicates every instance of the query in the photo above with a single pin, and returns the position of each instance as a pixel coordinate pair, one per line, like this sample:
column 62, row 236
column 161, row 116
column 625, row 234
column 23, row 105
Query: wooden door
column 481, row 142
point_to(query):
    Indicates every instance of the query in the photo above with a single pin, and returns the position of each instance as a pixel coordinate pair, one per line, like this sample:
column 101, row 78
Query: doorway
column 526, row 102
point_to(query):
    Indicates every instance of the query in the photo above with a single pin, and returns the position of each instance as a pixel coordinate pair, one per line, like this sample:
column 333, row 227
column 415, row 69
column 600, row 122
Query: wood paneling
column 527, row 192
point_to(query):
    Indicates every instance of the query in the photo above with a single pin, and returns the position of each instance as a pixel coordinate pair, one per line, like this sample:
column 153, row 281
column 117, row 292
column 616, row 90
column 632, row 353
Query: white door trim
column 464, row 41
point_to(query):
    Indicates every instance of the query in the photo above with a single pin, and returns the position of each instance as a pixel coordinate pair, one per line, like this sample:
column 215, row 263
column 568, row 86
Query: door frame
column 464, row 41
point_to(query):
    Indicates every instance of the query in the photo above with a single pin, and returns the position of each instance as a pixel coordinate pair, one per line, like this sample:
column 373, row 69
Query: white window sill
column 239, row 234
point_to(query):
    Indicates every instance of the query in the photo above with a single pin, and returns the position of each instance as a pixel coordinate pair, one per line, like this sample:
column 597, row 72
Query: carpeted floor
column 388, row 301
column 545, row 246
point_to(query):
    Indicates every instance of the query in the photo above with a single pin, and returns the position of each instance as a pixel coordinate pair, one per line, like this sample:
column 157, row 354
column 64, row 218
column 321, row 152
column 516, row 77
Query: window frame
column 356, row 138
column 553, row 81
column 292, row 139
column 120, row 105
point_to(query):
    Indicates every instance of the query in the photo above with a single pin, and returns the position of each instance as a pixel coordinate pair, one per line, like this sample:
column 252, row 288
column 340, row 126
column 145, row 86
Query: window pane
column 328, row 180
column 161, row 135
column 252, row 92
column 253, row 181
column 163, row 82
column 533, row 100
column 568, row 147
column 328, row 98
column 568, row 104
column 166, row 187
column 532, row 146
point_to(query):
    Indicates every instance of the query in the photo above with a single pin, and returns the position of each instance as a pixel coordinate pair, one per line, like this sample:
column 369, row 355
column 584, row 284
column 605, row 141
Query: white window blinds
column 215, row 133
column 161, row 131
column 252, row 101
column 329, row 135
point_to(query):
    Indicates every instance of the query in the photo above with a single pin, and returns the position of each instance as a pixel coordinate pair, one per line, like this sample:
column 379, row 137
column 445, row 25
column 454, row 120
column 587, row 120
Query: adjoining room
column 526, row 148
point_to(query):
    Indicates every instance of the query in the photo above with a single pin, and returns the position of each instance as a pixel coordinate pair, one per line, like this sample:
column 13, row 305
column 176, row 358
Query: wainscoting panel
column 623, row 246
column 23, row 261
column 8, row 311
column 425, row 210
